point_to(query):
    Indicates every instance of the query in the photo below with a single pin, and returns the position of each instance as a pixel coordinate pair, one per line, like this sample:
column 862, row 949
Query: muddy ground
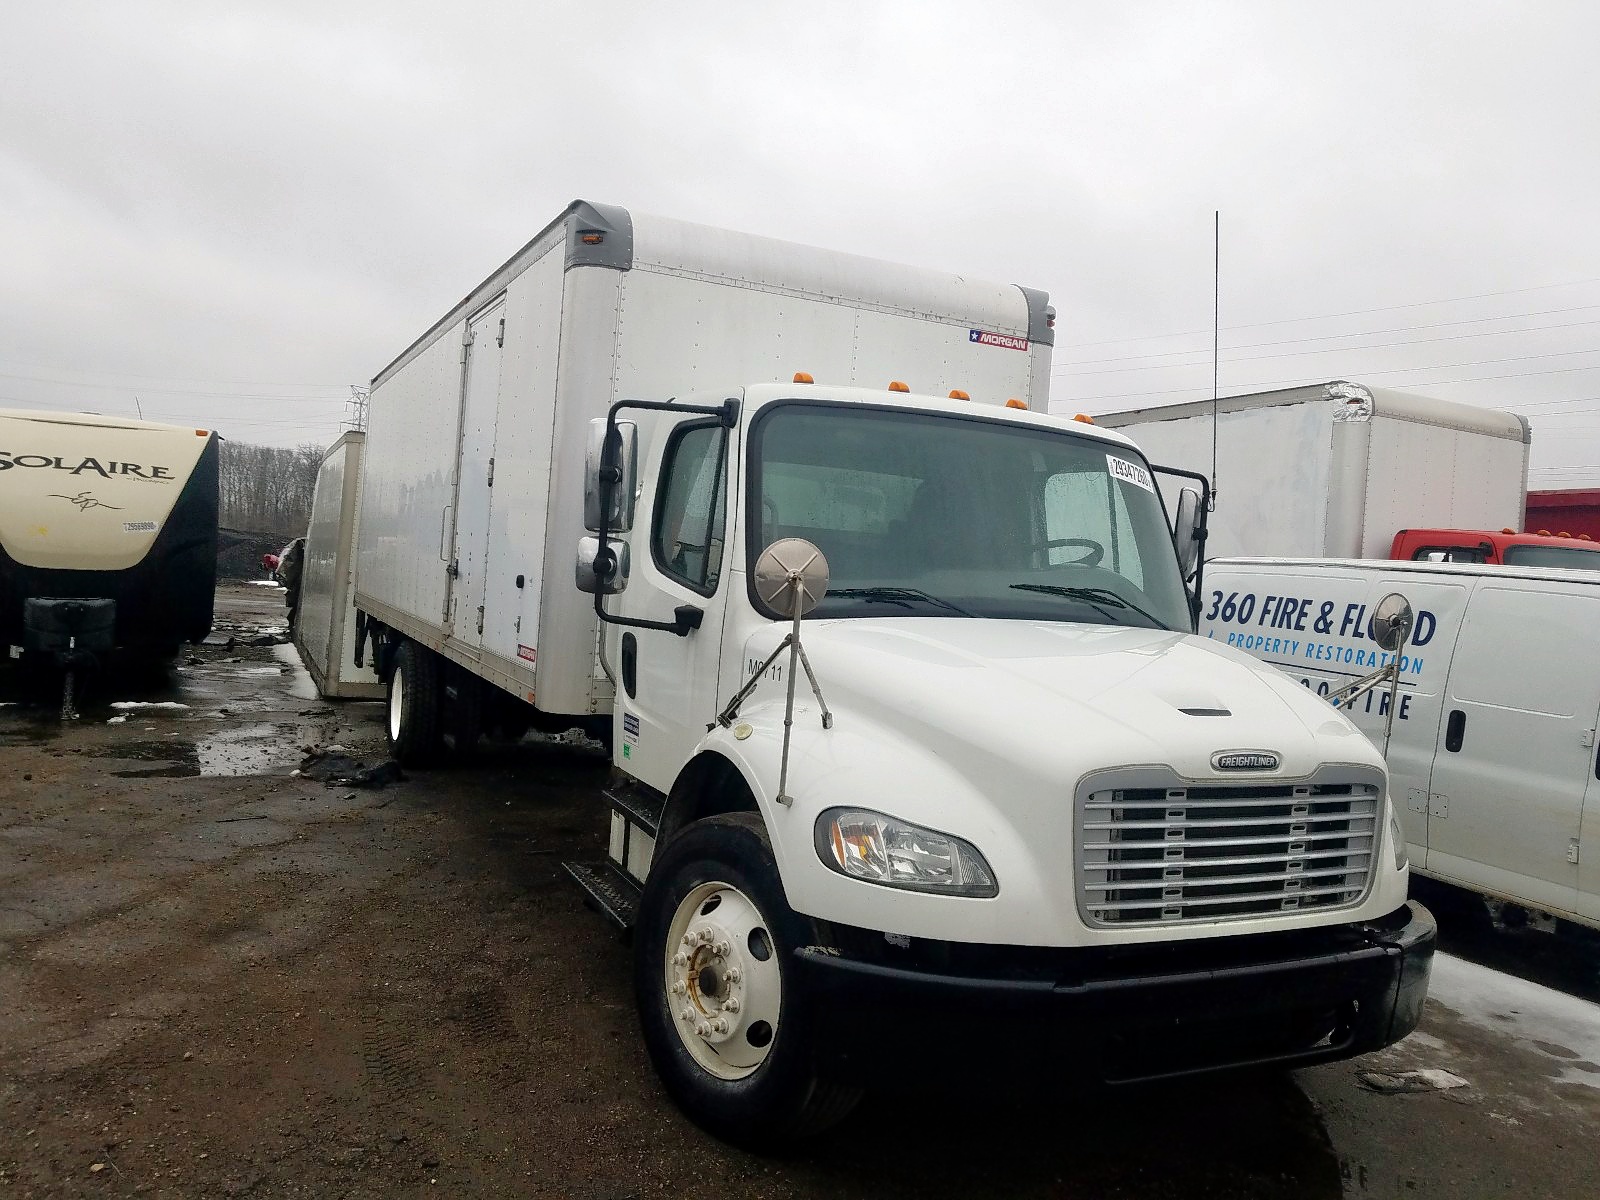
column 219, row 979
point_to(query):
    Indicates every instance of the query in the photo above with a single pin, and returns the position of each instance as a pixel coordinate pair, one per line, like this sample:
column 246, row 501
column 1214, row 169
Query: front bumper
column 1130, row 1013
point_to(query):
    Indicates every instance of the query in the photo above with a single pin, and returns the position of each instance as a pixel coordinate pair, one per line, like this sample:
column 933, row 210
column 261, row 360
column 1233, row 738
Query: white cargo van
column 1012, row 788
column 1493, row 750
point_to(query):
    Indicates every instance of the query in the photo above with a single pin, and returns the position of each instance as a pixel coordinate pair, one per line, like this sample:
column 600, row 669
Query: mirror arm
column 727, row 413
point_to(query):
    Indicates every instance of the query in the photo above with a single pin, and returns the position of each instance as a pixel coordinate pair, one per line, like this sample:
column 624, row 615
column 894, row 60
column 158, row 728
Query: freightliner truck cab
column 990, row 798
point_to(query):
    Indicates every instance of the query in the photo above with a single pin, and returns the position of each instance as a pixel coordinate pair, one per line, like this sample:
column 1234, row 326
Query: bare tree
column 267, row 489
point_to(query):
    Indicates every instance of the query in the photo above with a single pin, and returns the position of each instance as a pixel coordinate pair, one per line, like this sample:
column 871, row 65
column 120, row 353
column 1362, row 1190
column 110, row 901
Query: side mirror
column 610, row 469
column 1391, row 622
column 791, row 576
column 601, row 578
column 1187, row 536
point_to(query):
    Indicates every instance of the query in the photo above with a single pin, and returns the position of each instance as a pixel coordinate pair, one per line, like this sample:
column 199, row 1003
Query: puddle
column 258, row 749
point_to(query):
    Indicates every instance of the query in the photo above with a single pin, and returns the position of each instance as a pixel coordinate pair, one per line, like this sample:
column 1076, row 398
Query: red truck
column 1505, row 547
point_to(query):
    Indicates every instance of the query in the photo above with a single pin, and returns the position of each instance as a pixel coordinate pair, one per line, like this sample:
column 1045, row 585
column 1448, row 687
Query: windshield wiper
column 1095, row 598
column 897, row 595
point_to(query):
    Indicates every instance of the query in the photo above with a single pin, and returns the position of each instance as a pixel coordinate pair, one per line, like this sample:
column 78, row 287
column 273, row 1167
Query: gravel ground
column 221, row 979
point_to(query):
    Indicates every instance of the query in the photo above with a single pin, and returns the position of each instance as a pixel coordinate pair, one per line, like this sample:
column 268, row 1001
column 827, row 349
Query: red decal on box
column 1004, row 340
column 526, row 652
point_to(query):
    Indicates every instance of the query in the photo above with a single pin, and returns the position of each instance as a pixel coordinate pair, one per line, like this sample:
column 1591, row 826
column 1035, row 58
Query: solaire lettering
column 92, row 466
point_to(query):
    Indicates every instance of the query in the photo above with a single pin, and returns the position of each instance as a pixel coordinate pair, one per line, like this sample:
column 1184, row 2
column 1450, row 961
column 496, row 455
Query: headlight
column 1397, row 839
column 870, row 846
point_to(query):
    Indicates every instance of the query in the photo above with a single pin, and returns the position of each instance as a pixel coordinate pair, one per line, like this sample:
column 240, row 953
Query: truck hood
column 1064, row 699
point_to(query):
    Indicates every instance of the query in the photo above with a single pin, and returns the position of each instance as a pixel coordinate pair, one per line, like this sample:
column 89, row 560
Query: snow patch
column 267, row 583
column 301, row 686
column 148, row 704
column 1563, row 1029
column 115, row 720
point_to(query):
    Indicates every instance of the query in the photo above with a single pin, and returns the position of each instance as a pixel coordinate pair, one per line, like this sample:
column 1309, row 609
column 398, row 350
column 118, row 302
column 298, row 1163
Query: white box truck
column 108, row 537
column 1336, row 470
column 1014, row 791
column 324, row 629
column 1493, row 753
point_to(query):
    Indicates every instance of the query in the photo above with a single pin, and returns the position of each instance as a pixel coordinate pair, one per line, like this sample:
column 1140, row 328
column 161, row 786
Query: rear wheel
column 413, row 708
column 727, row 1029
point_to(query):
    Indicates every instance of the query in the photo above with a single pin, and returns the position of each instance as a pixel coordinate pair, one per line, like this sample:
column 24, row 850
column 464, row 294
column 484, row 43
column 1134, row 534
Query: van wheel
column 413, row 725
column 728, row 1031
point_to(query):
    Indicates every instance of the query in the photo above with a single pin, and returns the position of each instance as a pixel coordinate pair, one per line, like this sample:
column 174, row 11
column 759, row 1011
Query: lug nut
column 680, row 959
column 720, row 949
column 703, row 1028
column 720, row 1025
column 731, row 1004
column 687, row 1014
column 679, row 988
column 734, row 975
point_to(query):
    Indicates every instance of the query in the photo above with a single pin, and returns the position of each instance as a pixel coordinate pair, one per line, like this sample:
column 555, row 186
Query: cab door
column 668, row 684
column 1516, row 749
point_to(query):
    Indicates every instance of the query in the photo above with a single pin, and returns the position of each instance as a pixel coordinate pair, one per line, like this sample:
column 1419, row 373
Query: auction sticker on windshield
column 1129, row 472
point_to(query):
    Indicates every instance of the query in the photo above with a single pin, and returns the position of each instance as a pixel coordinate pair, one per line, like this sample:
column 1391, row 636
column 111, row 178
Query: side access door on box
column 469, row 543
column 1517, row 745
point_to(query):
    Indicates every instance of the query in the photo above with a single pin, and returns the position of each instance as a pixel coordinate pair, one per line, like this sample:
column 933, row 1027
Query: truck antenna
column 1216, row 333
column 138, row 409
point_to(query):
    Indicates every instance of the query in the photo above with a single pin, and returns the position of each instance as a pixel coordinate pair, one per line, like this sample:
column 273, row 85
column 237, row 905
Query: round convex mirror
column 784, row 563
column 1391, row 622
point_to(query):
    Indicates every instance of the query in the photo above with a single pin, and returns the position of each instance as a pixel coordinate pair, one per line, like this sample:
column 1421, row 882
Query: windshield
column 1566, row 557
column 926, row 514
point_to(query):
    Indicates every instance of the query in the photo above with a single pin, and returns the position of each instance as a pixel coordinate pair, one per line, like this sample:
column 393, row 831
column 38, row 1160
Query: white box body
column 473, row 480
column 325, row 627
column 1337, row 469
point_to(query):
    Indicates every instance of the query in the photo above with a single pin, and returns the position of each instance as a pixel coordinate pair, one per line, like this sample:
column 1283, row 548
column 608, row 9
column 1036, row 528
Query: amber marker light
column 1015, row 403
column 803, row 377
column 1085, row 418
column 202, row 433
column 896, row 386
column 591, row 238
column 958, row 394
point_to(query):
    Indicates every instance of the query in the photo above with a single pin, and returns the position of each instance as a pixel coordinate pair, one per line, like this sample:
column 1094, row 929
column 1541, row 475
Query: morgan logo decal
column 84, row 501
column 1245, row 760
column 1004, row 340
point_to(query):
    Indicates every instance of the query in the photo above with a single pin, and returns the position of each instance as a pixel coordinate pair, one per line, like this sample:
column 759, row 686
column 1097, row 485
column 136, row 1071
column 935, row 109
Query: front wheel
column 727, row 1029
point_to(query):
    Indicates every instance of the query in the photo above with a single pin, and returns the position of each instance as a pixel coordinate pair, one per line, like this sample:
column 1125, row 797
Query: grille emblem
column 1245, row 760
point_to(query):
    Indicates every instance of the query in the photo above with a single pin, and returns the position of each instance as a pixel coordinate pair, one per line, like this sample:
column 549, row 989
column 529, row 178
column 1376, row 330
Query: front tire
column 728, row 1031
column 413, row 706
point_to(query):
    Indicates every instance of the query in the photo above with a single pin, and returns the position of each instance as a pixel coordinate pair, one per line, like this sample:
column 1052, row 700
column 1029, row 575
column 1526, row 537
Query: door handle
column 630, row 664
column 1455, row 730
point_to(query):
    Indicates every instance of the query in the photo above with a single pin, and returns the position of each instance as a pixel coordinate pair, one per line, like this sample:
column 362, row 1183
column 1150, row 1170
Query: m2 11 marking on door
column 774, row 672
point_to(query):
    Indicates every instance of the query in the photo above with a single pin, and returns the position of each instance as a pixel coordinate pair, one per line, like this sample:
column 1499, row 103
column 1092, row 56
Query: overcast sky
column 228, row 213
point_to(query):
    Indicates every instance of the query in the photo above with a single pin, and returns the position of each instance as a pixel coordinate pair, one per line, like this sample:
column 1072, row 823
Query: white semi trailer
column 1337, row 469
column 1011, row 785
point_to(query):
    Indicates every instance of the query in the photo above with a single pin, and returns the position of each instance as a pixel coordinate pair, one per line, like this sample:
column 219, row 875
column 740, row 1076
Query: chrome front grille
column 1153, row 852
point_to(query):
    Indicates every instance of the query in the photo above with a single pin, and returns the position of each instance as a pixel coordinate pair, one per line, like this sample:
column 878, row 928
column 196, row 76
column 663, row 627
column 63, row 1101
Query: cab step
column 610, row 890
column 640, row 805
